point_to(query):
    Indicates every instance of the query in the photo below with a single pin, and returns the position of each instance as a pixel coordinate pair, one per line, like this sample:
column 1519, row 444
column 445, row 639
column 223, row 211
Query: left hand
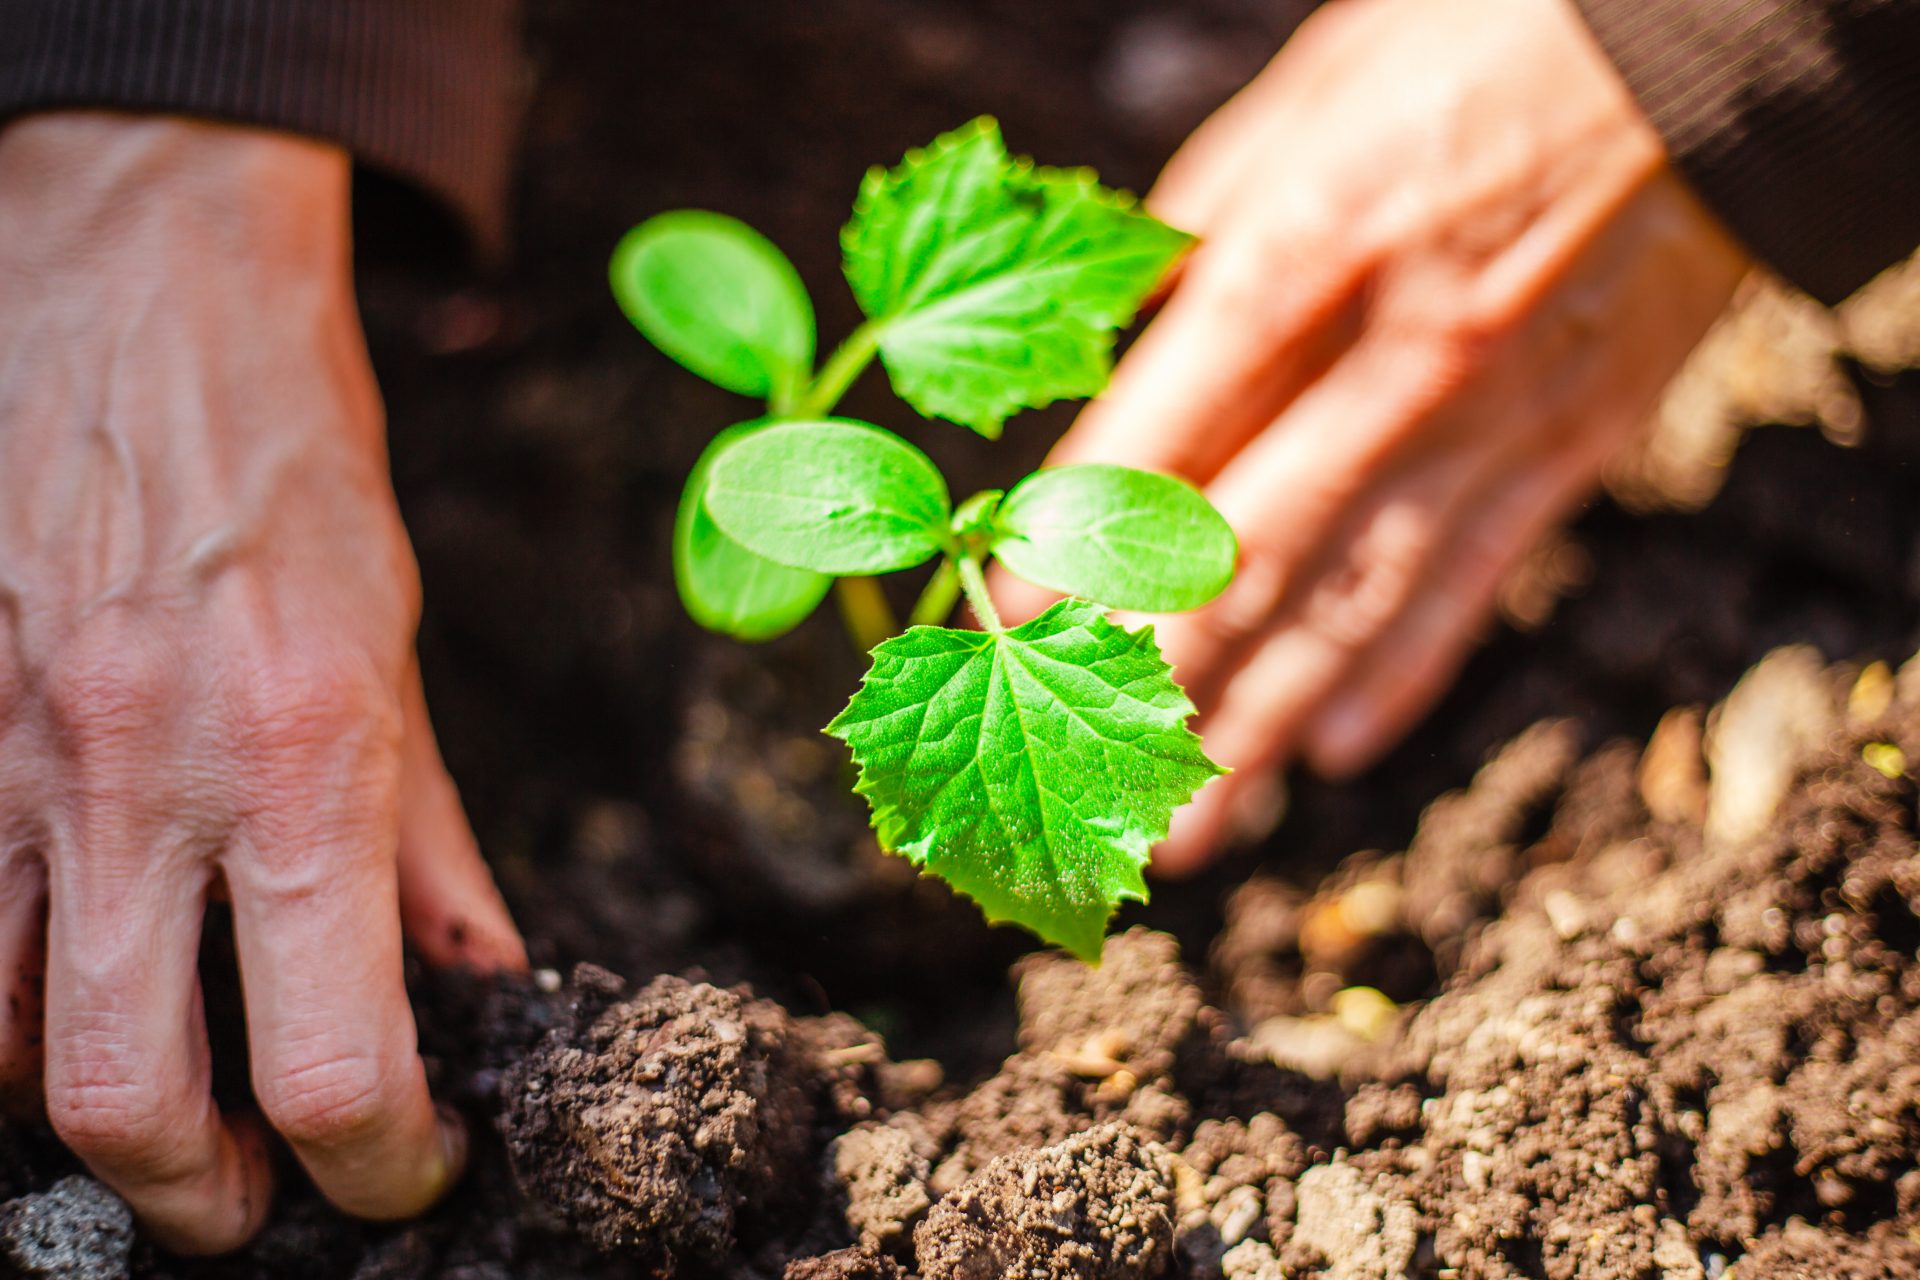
column 208, row 682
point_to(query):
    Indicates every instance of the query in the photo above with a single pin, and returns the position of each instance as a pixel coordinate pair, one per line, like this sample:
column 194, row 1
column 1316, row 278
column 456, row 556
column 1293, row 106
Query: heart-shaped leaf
column 718, row 297
column 832, row 496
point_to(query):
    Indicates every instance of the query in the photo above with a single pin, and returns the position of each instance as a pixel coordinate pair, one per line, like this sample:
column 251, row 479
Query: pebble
column 74, row 1230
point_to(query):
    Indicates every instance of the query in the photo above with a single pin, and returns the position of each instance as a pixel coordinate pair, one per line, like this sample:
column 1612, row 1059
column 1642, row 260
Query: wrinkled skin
column 1446, row 271
column 207, row 680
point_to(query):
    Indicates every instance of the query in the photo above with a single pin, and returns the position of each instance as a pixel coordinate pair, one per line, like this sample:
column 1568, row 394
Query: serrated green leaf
column 726, row 587
column 1125, row 538
column 833, row 496
column 719, row 298
column 997, row 285
column 1033, row 770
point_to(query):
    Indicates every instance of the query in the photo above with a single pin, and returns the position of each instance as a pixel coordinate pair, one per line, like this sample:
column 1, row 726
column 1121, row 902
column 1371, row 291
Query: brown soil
column 1652, row 1053
column 1600, row 1011
column 650, row 1127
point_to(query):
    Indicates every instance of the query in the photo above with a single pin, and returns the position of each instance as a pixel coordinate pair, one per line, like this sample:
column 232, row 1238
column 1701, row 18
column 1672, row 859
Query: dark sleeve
column 1798, row 121
column 423, row 91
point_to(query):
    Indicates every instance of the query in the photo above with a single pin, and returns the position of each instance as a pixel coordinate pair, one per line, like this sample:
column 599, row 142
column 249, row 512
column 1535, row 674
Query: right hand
column 207, row 679
column 1445, row 272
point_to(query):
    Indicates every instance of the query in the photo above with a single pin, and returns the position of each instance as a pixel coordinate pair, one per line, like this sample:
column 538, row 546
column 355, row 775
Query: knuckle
column 1475, row 340
column 327, row 1099
column 116, row 1114
column 1240, row 286
column 1250, row 599
column 319, row 705
column 101, row 689
column 316, row 743
column 1354, row 603
column 1352, row 610
column 1241, row 279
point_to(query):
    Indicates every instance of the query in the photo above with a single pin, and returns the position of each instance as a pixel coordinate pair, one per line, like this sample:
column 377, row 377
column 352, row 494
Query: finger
column 1226, row 355
column 1254, row 320
column 1252, row 713
column 1335, row 536
column 1406, row 672
column 1302, row 488
column 23, row 967
column 1242, row 139
column 1251, row 731
column 449, row 904
column 128, row 1070
column 316, row 918
column 1214, row 162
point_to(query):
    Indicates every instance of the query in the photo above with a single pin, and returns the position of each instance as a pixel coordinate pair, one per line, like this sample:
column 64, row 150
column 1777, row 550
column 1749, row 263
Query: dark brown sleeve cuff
column 420, row 90
column 1798, row 121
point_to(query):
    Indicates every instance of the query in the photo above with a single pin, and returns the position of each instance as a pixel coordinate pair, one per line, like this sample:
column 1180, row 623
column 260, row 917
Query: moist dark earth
column 1611, row 972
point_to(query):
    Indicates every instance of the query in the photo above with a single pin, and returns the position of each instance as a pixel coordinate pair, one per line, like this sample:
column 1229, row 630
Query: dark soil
column 1596, row 1011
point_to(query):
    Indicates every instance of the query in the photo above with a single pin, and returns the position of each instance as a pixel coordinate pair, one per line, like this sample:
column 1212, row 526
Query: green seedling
column 1031, row 767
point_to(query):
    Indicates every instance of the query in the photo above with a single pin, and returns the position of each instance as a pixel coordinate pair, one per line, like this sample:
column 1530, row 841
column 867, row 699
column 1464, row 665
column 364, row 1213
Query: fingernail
column 256, row 1151
column 453, row 1148
column 490, row 951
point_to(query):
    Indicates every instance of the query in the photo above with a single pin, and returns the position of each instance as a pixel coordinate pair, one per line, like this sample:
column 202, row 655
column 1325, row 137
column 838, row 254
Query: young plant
column 1033, row 767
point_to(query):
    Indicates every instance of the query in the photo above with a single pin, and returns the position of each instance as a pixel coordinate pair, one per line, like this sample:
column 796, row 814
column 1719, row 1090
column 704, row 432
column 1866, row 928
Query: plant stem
column 865, row 612
column 937, row 600
column 785, row 400
column 974, row 583
column 845, row 365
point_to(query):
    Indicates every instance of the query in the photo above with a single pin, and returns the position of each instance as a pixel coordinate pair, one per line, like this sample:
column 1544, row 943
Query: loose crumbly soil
column 1636, row 997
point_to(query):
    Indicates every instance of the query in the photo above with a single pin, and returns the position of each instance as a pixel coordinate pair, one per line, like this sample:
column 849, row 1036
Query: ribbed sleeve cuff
column 420, row 90
column 1798, row 121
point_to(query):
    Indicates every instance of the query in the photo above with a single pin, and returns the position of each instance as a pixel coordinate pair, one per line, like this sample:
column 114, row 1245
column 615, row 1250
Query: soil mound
column 653, row 1126
column 1097, row 1206
column 1680, row 1039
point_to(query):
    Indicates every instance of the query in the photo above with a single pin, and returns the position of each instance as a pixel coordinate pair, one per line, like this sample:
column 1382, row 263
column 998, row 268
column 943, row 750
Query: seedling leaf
column 996, row 285
column 1127, row 539
column 719, row 298
column 832, row 496
column 726, row 587
column 1031, row 769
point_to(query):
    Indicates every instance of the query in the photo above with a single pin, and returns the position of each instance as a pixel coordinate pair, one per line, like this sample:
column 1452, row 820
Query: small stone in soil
column 74, row 1230
column 1361, row 1232
column 884, row 1179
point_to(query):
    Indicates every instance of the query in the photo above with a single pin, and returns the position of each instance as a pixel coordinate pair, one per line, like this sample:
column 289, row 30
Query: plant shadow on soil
column 1729, row 1072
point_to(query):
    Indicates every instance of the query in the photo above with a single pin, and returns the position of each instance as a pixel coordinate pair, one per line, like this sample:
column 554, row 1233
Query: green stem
column 865, row 612
column 974, row 583
column 785, row 399
column 937, row 600
column 845, row 365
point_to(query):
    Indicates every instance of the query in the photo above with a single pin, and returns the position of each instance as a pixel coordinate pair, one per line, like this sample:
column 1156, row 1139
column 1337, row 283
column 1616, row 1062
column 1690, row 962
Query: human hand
column 207, row 678
column 1445, row 274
